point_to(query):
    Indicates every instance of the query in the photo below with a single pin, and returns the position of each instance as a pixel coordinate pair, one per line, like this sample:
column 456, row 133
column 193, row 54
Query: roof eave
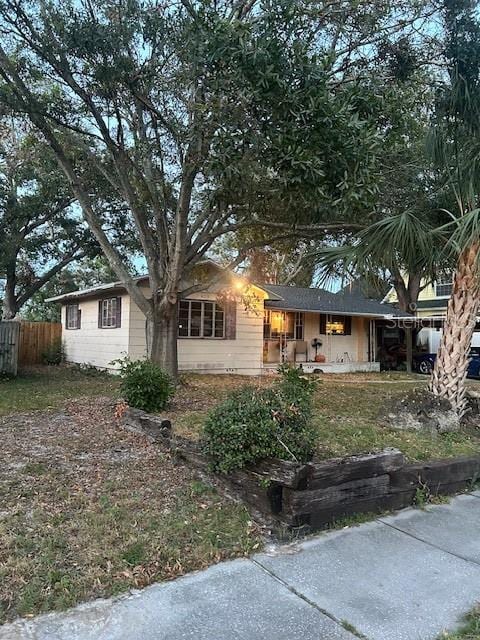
column 341, row 313
column 92, row 291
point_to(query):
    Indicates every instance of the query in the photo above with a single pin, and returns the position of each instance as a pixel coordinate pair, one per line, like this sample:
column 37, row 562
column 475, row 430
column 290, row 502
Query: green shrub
column 144, row 384
column 54, row 354
column 252, row 424
column 296, row 388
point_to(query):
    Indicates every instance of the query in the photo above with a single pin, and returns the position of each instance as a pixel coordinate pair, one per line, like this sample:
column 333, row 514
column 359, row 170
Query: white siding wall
column 91, row 345
column 242, row 355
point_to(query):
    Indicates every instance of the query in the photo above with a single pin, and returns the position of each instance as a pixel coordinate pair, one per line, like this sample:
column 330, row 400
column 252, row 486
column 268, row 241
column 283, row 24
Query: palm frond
column 464, row 232
column 402, row 242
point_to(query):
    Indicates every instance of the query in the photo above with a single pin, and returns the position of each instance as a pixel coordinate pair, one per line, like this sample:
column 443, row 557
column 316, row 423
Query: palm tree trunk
column 450, row 370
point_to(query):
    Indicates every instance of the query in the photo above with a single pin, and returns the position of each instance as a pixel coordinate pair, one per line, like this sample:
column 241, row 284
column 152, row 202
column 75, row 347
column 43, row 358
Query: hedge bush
column 145, row 385
column 252, row 424
column 54, row 354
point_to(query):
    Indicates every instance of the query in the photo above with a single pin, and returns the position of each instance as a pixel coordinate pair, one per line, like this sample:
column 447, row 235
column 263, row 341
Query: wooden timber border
column 316, row 493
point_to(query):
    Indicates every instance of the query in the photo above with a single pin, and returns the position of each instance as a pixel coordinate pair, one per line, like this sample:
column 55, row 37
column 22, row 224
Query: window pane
column 183, row 318
column 207, row 319
column 195, row 319
column 266, row 323
column 336, row 326
column 277, row 324
column 72, row 316
column 444, row 289
column 290, row 325
column 105, row 312
column 109, row 312
column 299, row 322
column 219, row 322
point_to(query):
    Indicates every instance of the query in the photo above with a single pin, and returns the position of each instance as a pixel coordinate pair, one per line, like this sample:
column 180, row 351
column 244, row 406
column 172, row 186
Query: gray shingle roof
column 344, row 302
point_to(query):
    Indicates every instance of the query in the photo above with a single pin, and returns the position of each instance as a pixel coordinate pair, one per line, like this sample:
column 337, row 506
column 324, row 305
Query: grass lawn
column 346, row 409
column 48, row 387
column 470, row 630
column 346, row 419
column 89, row 510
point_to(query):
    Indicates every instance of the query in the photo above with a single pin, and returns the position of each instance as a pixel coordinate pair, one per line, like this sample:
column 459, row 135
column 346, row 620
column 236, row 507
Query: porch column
column 409, row 345
column 372, row 347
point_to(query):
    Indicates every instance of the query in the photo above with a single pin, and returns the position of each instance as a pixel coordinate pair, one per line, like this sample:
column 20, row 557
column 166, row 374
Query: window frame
column 326, row 318
column 116, row 314
column 77, row 316
column 441, row 283
column 297, row 319
column 216, row 308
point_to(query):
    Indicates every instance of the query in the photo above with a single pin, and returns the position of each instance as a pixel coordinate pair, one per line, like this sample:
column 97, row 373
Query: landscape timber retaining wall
column 314, row 494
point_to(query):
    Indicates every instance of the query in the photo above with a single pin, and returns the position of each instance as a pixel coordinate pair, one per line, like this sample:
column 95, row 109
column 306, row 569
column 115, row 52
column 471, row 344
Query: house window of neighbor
column 443, row 289
column 200, row 319
column 109, row 313
column 73, row 316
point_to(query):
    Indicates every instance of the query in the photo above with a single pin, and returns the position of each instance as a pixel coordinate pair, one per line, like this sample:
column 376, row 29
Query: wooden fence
column 35, row 338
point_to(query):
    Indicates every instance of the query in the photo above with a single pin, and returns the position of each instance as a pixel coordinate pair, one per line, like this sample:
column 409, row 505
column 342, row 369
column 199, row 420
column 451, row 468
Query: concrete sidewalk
column 403, row 577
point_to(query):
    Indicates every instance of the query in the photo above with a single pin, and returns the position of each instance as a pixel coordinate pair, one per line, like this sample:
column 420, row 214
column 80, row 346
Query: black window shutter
column 100, row 314
column 118, row 318
column 348, row 325
column 231, row 320
column 79, row 318
column 323, row 324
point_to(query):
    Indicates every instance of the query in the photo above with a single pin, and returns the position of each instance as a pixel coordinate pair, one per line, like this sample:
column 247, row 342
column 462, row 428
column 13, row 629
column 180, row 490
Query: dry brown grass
column 346, row 407
column 90, row 510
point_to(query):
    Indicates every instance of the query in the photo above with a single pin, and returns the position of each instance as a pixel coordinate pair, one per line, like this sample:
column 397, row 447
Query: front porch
column 319, row 342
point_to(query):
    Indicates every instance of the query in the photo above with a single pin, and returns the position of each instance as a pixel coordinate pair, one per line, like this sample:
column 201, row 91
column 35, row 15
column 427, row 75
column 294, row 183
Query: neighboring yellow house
column 432, row 301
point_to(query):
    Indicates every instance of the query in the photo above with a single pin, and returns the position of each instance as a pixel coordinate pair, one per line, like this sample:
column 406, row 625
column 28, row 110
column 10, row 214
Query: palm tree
column 455, row 147
column 398, row 248
column 417, row 242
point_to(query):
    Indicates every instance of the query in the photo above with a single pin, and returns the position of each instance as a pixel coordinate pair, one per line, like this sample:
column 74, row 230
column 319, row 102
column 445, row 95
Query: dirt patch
column 90, row 510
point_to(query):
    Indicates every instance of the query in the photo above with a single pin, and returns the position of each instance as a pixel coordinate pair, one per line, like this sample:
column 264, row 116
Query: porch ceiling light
column 239, row 285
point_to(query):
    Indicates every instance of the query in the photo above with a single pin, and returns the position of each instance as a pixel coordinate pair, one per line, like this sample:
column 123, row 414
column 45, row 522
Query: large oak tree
column 203, row 117
column 40, row 231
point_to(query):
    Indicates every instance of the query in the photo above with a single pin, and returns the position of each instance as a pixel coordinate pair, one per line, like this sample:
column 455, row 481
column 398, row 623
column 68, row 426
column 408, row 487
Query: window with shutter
column 337, row 325
column 201, row 319
column 73, row 316
column 110, row 313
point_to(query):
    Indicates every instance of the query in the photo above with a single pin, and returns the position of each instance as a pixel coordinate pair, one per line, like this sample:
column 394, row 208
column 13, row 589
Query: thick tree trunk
column 407, row 294
column 10, row 305
column 162, row 329
column 450, row 370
